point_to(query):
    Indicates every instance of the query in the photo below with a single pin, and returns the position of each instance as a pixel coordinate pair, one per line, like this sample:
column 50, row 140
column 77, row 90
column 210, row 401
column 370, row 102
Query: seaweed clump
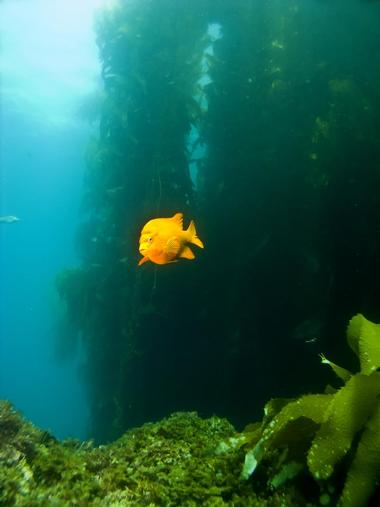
column 336, row 434
column 176, row 461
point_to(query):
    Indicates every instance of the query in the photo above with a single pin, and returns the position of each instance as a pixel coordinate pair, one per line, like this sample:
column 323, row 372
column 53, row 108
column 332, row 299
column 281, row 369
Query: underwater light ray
column 49, row 57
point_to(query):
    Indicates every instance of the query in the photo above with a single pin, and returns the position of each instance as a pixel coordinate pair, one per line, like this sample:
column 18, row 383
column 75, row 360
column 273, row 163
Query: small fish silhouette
column 8, row 219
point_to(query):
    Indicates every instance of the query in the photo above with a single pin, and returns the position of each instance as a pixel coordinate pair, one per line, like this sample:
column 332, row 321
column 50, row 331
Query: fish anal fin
column 187, row 253
column 192, row 234
column 143, row 260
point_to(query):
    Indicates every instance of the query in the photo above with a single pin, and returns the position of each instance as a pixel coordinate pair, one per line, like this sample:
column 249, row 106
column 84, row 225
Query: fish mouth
column 145, row 243
column 143, row 249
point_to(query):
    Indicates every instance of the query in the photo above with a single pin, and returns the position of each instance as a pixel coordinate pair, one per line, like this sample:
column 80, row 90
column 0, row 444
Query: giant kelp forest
column 260, row 120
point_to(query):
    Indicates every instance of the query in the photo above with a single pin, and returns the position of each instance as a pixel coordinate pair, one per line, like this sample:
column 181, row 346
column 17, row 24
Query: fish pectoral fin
column 172, row 247
column 187, row 253
column 143, row 260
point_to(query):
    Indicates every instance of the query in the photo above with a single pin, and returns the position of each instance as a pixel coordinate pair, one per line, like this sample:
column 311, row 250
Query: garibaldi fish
column 163, row 240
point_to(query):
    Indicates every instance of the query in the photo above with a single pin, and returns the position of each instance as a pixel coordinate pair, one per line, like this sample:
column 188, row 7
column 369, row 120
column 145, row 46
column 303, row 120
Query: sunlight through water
column 49, row 56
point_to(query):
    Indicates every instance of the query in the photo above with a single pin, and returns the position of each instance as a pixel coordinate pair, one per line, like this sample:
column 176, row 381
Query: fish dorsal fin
column 178, row 218
column 172, row 247
column 187, row 253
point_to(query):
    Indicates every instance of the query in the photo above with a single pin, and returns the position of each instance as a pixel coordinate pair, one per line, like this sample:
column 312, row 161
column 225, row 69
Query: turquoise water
column 49, row 62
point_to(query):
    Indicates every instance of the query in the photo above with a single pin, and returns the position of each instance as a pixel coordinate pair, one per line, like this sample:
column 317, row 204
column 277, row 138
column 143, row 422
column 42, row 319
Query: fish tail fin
column 193, row 238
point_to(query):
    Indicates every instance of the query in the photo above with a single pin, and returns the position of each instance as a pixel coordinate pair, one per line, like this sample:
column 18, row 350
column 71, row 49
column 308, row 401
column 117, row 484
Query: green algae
column 172, row 462
column 363, row 337
column 335, row 434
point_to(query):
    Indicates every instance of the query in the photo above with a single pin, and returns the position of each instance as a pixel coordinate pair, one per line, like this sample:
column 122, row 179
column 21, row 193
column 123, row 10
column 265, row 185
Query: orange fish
column 163, row 240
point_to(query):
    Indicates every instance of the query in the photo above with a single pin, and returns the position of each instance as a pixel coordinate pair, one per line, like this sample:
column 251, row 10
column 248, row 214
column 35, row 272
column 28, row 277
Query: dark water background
column 282, row 136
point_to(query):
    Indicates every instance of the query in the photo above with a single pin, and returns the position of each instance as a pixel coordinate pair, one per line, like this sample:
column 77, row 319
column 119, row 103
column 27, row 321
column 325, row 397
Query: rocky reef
column 181, row 460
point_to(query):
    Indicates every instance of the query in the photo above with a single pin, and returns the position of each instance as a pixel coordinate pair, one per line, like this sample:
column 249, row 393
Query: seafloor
column 183, row 460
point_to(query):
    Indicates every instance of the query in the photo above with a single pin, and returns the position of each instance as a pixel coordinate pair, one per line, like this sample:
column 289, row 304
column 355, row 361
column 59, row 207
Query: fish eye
column 150, row 239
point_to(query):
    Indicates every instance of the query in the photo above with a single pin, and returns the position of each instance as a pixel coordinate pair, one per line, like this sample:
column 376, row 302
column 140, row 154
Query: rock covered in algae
column 175, row 462
column 336, row 434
